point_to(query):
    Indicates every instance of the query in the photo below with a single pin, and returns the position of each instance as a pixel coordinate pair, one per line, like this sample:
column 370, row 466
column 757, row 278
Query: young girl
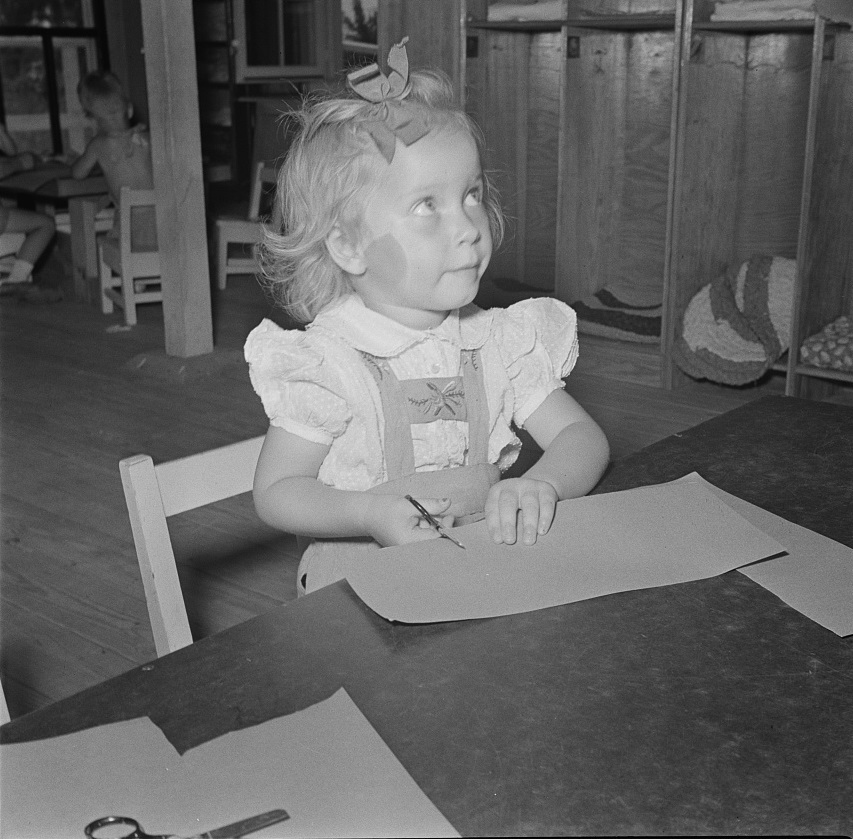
column 399, row 384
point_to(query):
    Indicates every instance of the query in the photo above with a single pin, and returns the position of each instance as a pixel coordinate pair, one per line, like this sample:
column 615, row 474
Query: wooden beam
column 170, row 71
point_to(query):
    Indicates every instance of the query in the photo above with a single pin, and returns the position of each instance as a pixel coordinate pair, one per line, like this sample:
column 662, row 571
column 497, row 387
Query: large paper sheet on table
column 325, row 765
column 600, row 544
column 814, row 576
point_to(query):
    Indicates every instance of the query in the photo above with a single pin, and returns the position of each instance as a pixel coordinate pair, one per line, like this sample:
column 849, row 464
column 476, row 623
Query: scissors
column 433, row 521
column 230, row 831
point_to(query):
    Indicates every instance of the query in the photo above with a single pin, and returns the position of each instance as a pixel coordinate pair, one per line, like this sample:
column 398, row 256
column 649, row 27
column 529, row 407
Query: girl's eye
column 424, row 208
column 474, row 197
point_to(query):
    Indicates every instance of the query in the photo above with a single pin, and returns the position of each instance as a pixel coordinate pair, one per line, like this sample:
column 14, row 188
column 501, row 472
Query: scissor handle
column 136, row 831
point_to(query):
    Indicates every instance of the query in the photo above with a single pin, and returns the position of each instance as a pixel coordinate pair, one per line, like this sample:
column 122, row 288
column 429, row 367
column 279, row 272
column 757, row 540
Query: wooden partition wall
column 643, row 144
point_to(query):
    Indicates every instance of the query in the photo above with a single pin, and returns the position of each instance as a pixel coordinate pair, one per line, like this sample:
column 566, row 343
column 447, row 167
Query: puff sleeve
column 300, row 393
column 538, row 343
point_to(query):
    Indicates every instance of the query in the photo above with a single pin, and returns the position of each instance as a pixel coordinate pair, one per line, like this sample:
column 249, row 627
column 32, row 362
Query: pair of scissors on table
column 96, row 829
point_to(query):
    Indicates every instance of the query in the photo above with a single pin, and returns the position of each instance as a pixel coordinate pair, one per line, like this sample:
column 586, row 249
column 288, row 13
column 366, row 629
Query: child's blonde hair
column 324, row 182
column 104, row 88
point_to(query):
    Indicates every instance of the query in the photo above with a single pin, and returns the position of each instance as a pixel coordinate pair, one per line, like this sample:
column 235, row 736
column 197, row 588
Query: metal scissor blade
column 245, row 826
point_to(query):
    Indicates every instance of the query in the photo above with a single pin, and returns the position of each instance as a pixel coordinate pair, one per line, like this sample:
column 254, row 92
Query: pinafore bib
column 408, row 402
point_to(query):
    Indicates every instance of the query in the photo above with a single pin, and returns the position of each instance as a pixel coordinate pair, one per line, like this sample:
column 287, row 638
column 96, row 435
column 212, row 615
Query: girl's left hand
column 520, row 506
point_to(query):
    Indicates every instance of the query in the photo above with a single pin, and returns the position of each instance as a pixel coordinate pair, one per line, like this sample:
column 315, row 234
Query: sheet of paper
column 600, row 544
column 325, row 765
column 814, row 577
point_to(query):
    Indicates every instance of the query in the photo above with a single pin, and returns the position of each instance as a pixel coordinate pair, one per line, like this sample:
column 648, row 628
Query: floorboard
column 80, row 392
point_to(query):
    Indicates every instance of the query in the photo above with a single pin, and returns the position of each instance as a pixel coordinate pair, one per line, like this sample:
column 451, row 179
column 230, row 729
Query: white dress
column 314, row 383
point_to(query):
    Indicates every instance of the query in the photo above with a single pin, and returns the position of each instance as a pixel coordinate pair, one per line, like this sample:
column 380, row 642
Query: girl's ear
column 346, row 251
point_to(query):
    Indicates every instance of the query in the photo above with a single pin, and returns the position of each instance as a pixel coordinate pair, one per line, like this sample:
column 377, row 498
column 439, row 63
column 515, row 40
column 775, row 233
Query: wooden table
column 50, row 185
column 704, row 708
column 51, row 188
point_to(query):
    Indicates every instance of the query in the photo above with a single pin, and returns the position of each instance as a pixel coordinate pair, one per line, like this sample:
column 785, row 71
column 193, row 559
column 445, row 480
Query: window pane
column 46, row 13
column 262, row 43
column 25, row 93
column 280, row 33
column 299, row 27
column 358, row 19
column 74, row 58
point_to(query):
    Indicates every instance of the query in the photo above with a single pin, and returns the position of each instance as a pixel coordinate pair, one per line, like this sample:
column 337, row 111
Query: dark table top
column 50, row 184
column 702, row 708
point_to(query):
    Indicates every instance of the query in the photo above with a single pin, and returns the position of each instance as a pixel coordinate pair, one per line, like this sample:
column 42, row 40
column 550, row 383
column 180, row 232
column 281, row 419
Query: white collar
column 374, row 333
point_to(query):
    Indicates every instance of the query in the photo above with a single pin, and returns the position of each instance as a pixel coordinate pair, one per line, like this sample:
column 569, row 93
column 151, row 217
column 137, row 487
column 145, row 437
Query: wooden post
column 170, row 72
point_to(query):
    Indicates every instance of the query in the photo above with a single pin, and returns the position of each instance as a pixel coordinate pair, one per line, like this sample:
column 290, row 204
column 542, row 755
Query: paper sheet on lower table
column 600, row 544
column 814, row 576
column 325, row 765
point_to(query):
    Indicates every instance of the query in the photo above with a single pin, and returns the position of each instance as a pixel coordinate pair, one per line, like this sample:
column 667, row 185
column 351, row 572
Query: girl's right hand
column 392, row 520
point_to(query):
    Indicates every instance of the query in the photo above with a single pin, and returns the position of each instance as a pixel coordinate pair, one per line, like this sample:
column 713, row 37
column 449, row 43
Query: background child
column 38, row 227
column 399, row 383
column 121, row 150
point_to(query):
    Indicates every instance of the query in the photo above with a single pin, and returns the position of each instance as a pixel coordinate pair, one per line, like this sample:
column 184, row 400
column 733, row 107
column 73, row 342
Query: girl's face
column 426, row 239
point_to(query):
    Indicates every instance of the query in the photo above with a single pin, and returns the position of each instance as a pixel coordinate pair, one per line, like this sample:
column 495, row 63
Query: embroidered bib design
column 410, row 402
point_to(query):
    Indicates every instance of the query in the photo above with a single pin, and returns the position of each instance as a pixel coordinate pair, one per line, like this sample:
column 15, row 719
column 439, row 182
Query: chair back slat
column 154, row 493
column 166, row 609
column 206, row 478
column 256, row 192
column 133, row 258
column 265, row 176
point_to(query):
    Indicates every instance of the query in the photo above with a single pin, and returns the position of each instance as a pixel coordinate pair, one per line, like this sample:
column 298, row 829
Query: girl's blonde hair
column 324, row 182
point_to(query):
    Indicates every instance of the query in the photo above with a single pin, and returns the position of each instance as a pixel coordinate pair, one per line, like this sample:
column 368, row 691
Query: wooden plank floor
column 80, row 393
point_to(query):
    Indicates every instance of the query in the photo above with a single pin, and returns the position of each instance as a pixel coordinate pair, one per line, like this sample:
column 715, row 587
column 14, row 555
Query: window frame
column 47, row 35
column 246, row 73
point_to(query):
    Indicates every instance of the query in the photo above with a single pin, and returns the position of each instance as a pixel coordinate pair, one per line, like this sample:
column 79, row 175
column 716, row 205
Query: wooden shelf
column 628, row 23
column 625, row 23
column 824, row 373
column 517, row 25
column 749, row 27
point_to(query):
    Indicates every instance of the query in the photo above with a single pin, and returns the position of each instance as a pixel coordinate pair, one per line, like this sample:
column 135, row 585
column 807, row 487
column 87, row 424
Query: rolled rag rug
column 614, row 312
column 832, row 347
column 735, row 328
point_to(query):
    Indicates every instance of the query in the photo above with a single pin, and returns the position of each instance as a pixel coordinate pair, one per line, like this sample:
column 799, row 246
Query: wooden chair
column 232, row 230
column 153, row 494
column 130, row 277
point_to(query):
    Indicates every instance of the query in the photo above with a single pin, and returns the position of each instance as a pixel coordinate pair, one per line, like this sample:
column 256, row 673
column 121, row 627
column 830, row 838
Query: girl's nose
column 469, row 232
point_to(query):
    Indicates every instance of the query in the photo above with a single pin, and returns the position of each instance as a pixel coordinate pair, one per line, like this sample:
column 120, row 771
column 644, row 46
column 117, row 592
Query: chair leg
column 105, row 276
column 128, row 293
column 221, row 259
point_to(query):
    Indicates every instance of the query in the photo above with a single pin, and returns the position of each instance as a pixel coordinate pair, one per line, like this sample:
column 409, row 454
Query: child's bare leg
column 39, row 229
column 17, row 163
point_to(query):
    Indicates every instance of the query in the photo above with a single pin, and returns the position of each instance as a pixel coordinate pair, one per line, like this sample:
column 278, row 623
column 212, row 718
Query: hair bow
column 389, row 91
